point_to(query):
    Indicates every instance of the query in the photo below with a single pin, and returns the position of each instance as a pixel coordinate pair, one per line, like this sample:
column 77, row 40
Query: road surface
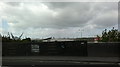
column 58, row 60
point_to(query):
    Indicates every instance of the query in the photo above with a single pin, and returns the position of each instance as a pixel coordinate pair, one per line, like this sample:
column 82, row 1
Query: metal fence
column 104, row 49
column 67, row 48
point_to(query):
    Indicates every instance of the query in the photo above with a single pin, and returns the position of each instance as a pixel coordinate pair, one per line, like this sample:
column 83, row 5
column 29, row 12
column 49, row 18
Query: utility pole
column 81, row 31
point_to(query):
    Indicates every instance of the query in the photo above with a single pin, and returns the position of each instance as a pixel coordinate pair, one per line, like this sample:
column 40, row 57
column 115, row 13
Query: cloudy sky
column 57, row 19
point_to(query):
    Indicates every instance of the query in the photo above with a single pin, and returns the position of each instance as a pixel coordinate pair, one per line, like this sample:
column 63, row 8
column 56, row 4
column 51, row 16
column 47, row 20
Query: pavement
column 59, row 60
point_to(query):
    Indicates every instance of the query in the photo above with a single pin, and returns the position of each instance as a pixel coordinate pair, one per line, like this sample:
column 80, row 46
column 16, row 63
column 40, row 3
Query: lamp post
column 81, row 31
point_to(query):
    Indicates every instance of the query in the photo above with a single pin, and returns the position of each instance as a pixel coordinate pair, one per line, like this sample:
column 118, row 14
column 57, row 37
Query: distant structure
column 57, row 39
column 10, row 37
column 89, row 39
column 15, row 38
column 47, row 39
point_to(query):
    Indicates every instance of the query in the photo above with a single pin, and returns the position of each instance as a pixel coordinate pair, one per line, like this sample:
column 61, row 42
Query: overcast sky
column 58, row 19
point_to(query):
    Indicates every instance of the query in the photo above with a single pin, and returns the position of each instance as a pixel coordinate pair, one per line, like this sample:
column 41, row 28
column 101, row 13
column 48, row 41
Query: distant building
column 89, row 39
column 58, row 39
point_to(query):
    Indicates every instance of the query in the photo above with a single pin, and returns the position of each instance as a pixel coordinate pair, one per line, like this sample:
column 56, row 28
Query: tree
column 112, row 35
column 105, row 35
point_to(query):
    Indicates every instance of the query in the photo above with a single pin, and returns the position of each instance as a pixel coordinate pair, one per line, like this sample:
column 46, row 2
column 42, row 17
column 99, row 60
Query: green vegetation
column 112, row 35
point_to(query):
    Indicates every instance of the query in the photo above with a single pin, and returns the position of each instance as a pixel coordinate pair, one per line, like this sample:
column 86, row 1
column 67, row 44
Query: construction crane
column 20, row 36
column 16, row 38
column 12, row 36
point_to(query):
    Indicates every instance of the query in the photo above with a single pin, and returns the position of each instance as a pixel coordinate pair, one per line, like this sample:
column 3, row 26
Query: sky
column 57, row 19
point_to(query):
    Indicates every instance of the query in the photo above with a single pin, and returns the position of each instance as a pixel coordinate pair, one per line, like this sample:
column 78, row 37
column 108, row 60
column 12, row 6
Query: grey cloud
column 58, row 5
column 13, row 3
column 79, row 14
column 69, row 17
column 59, row 16
column 107, row 19
column 71, row 14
